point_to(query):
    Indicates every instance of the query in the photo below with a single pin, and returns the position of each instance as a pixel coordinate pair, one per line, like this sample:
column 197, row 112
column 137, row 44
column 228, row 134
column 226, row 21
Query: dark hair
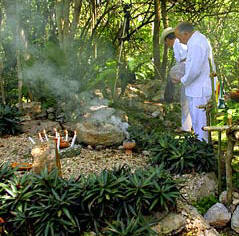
column 170, row 36
column 185, row 27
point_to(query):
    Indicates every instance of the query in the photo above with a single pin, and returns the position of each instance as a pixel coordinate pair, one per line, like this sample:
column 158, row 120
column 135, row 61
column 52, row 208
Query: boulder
column 171, row 224
column 218, row 215
column 99, row 133
column 235, row 220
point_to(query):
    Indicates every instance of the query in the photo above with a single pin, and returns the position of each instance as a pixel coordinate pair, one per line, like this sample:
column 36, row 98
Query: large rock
column 199, row 186
column 101, row 125
column 171, row 224
column 235, row 220
column 218, row 215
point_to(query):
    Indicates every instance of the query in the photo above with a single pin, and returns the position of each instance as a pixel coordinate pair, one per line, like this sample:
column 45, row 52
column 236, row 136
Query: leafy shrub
column 9, row 120
column 205, row 203
column 48, row 205
column 183, row 154
column 134, row 227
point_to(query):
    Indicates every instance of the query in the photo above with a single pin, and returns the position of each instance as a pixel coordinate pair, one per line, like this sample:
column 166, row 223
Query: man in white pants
column 180, row 54
column 196, row 79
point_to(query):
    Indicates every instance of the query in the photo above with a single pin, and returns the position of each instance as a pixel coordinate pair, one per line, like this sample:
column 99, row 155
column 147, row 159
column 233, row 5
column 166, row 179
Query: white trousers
column 198, row 116
column 186, row 121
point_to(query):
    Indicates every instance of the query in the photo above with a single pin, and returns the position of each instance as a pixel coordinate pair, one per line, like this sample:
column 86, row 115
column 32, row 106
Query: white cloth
column 180, row 54
column 197, row 70
column 186, row 120
column 197, row 81
column 198, row 116
column 179, row 50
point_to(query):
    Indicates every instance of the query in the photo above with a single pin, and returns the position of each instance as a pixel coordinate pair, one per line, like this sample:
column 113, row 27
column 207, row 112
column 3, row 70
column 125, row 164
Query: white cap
column 165, row 33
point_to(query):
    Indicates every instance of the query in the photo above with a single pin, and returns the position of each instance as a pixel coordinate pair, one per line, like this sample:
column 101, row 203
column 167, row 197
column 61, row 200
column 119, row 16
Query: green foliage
column 134, row 227
column 48, row 205
column 9, row 120
column 183, row 154
column 205, row 203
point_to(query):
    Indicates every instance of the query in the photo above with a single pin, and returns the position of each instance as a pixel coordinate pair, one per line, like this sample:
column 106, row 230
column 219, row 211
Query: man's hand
column 176, row 80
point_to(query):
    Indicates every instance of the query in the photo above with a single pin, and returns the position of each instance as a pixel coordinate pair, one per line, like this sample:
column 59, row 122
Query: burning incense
column 74, row 139
column 66, row 132
column 45, row 134
column 40, row 137
column 31, row 140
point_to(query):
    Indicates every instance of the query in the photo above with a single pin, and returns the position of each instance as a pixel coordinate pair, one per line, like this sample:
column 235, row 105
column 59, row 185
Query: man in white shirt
column 180, row 54
column 196, row 79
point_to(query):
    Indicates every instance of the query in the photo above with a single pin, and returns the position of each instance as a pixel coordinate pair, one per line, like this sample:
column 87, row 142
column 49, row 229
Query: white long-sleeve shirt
column 197, row 80
column 179, row 50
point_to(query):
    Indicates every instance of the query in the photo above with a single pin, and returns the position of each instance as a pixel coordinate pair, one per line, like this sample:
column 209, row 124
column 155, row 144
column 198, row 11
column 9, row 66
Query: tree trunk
column 230, row 147
column 1, row 69
column 2, row 84
column 165, row 52
column 76, row 16
column 18, row 56
column 156, row 48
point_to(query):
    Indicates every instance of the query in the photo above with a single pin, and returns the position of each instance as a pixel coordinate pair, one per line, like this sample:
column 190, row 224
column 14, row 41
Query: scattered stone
column 235, row 201
column 235, row 220
column 51, row 116
column 90, row 147
column 170, row 225
column 121, row 147
column 70, row 152
column 50, row 110
column 156, row 114
column 146, row 153
column 218, row 215
column 223, row 197
column 235, row 195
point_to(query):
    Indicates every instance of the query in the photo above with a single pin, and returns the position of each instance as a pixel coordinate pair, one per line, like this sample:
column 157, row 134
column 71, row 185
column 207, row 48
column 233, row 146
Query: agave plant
column 183, row 154
column 133, row 226
column 9, row 120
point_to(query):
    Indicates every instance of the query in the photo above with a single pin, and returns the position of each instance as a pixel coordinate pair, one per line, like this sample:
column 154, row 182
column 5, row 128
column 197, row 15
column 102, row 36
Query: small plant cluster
column 9, row 122
column 205, row 203
column 112, row 202
column 182, row 154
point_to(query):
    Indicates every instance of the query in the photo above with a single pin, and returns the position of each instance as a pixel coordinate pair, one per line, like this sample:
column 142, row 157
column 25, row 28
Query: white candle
column 40, row 137
column 58, row 143
column 66, row 138
column 31, row 140
column 56, row 132
column 44, row 131
column 74, row 139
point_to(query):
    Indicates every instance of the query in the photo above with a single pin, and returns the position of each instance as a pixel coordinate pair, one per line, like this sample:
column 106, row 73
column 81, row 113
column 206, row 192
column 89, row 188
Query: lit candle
column 56, row 132
column 74, row 139
column 66, row 138
column 31, row 140
column 40, row 137
column 58, row 142
column 44, row 131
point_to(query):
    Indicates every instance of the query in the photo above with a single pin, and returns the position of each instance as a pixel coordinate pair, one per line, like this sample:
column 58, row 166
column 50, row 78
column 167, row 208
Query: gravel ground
column 18, row 148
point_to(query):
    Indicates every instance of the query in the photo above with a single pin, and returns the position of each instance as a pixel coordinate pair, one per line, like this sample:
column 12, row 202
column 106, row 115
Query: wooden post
column 230, row 147
column 219, row 163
